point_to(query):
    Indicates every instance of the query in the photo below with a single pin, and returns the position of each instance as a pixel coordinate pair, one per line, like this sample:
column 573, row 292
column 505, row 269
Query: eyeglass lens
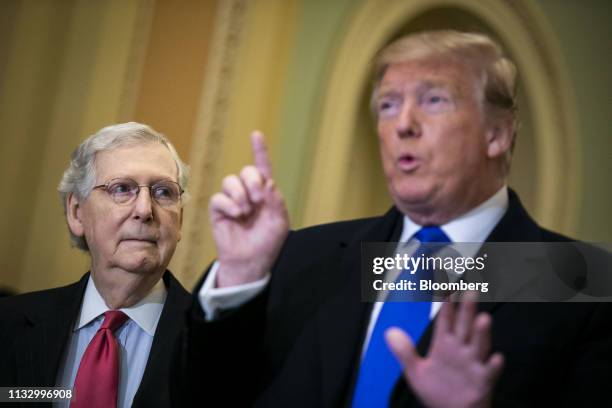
column 164, row 192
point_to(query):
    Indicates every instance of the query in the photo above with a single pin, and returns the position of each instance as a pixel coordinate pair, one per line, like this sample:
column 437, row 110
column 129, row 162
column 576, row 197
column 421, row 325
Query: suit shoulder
column 552, row 236
column 38, row 300
column 335, row 230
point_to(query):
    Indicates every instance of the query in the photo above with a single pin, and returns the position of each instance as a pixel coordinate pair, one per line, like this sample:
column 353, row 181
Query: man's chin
column 140, row 263
column 418, row 204
column 411, row 197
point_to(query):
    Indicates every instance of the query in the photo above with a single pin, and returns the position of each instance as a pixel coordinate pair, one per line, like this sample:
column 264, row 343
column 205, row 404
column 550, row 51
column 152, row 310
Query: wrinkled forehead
column 143, row 161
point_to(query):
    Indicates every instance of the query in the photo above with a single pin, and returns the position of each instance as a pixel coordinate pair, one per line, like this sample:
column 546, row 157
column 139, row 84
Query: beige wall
column 68, row 68
column 173, row 69
column 207, row 72
column 64, row 76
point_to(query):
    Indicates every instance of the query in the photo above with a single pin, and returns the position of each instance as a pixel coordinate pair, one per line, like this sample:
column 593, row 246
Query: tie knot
column 113, row 319
column 431, row 233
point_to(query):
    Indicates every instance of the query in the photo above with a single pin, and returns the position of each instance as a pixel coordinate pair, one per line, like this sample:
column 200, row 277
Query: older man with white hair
column 109, row 337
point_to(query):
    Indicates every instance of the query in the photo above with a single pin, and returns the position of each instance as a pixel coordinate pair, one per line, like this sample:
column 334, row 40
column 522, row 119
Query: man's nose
column 143, row 206
column 408, row 123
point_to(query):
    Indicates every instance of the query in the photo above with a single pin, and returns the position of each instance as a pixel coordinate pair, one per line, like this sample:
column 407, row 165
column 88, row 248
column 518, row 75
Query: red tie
column 97, row 379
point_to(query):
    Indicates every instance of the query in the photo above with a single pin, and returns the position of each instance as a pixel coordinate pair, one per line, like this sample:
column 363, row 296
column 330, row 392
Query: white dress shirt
column 134, row 338
column 473, row 226
column 214, row 299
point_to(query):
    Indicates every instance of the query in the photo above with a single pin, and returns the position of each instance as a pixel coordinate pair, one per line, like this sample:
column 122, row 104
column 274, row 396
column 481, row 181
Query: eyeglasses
column 166, row 193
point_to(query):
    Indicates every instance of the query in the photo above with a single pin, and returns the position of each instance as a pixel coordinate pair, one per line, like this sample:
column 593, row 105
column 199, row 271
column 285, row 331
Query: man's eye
column 162, row 192
column 166, row 192
column 436, row 101
column 120, row 188
column 384, row 105
column 436, row 98
column 388, row 106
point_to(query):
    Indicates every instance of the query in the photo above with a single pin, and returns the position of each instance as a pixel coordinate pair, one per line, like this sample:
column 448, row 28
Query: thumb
column 402, row 348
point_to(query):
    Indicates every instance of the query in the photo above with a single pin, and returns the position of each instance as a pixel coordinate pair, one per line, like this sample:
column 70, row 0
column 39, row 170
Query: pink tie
column 97, row 379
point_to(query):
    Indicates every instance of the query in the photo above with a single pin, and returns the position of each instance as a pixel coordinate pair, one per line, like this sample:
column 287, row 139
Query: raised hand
column 458, row 371
column 249, row 220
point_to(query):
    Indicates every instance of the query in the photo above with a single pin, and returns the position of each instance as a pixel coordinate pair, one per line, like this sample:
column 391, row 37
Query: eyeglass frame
column 106, row 185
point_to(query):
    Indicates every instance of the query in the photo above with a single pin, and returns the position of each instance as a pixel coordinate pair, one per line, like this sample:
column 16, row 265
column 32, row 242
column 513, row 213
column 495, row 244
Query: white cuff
column 213, row 300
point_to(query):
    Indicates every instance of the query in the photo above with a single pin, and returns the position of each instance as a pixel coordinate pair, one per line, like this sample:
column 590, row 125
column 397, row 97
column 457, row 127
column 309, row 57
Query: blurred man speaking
column 282, row 319
column 108, row 337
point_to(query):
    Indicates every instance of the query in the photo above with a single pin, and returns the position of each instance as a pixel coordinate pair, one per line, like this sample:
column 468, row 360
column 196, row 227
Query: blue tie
column 379, row 369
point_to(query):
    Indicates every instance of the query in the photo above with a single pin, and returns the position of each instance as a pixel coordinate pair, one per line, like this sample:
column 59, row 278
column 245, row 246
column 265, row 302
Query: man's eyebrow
column 153, row 179
column 421, row 86
column 387, row 91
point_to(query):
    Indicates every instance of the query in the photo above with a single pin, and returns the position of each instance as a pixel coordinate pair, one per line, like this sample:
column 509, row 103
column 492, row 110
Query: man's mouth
column 408, row 162
column 150, row 240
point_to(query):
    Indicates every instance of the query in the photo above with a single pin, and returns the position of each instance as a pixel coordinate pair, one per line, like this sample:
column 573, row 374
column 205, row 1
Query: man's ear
column 73, row 215
column 180, row 224
column 499, row 137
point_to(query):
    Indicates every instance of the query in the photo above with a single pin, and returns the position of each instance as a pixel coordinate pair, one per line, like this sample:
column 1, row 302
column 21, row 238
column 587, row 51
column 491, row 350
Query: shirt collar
column 473, row 226
column 145, row 313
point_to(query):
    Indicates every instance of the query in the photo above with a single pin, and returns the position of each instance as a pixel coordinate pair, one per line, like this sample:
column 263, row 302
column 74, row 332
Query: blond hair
column 478, row 50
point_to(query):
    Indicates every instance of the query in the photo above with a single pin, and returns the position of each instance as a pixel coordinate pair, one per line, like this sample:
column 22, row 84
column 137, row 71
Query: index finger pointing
column 260, row 154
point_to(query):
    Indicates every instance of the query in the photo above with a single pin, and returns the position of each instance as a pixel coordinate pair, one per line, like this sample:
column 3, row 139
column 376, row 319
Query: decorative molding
column 208, row 134
column 566, row 200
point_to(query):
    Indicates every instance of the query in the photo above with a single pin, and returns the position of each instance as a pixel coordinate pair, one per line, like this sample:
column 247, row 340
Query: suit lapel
column 342, row 322
column 515, row 226
column 153, row 389
column 50, row 328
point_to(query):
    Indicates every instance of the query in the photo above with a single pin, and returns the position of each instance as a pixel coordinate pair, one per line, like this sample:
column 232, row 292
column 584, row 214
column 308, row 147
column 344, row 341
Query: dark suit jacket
column 34, row 330
column 299, row 343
